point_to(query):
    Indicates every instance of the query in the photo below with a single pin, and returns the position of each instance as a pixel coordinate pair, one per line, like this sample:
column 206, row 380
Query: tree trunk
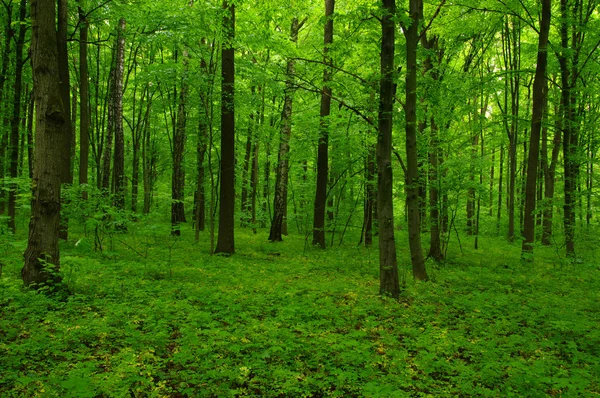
column 245, row 205
column 412, row 190
column 323, row 148
column 65, row 92
column 119, row 155
column 178, row 176
column 42, row 256
column 84, row 100
column 500, row 180
column 388, row 264
column 539, row 101
column 225, row 239
column 16, row 116
column 281, row 184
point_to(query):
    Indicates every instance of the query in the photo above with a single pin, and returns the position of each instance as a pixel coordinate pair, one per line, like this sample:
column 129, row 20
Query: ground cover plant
column 157, row 316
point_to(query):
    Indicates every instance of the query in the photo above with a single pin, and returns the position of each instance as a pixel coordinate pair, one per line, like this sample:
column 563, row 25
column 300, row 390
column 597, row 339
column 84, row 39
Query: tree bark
column 179, row 137
column 536, row 127
column 388, row 264
column 16, row 116
column 281, row 183
column 225, row 239
column 42, row 256
column 119, row 155
column 412, row 189
column 323, row 148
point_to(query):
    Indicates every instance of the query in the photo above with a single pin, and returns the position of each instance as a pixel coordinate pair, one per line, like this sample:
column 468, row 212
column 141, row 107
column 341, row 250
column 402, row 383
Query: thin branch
column 435, row 14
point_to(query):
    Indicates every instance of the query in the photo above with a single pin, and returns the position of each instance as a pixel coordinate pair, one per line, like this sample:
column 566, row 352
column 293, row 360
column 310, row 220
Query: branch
column 435, row 14
column 400, row 160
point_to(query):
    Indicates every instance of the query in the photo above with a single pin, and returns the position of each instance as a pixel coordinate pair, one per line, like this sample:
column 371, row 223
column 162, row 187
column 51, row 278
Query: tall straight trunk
column 178, row 176
column 119, row 155
column 500, row 180
column 412, row 168
column 254, row 184
column 65, row 93
column 16, row 116
column 225, row 239
column 370, row 193
column 388, row 263
column 323, row 148
column 9, row 33
column 492, row 180
column 512, row 61
column 148, row 167
column 201, row 148
column 245, row 205
column 569, row 136
column 471, row 190
column 30, row 115
column 108, row 135
column 549, row 185
column 138, row 137
column 281, row 184
column 42, row 256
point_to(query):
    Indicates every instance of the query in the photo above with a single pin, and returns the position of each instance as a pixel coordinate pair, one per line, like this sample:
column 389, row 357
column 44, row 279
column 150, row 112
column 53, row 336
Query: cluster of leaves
column 160, row 317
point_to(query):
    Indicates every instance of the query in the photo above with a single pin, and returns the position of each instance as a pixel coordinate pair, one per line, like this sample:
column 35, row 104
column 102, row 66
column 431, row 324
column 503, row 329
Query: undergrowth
column 157, row 316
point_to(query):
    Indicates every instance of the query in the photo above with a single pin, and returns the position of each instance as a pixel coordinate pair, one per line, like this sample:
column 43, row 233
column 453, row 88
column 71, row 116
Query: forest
column 299, row 198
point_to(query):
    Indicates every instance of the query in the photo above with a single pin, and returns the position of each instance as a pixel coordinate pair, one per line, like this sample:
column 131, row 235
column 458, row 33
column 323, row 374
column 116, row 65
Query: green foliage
column 158, row 316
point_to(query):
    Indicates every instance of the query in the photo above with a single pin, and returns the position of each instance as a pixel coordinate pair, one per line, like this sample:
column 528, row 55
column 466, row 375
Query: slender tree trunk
column 536, row 127
column 412, row 195
column 281, row 184
column 225, row 239
column 323, row 148
column 119, row 155
column 16, row 116
column 65, row 92
column 108, row 136
column 179, row 137
column 500, row 181
column 388, row 264
column 30, row 115
column 84, row 99
column 245, row 205
column 9, row 33
column 42, row 256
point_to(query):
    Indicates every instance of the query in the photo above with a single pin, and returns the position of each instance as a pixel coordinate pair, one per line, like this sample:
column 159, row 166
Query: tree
column 281, row 183
column 388, row 264
column 411, row 34
column 16, row 115
column 42, row 256
column 117, row 122
column 225, row 239
column 323, row 155
column 536, row 127
column 84, row 98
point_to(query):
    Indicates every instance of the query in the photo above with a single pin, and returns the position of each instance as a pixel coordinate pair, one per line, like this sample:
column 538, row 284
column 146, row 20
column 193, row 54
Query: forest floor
column 155, row 316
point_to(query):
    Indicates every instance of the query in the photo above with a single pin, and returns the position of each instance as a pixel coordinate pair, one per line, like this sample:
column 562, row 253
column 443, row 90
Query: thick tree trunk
column 323, row 148
column 536, row 126
column 225, row 239
column 388, row 264
column 412, row 194
column 42, row 256
column 8, row 38
column 281, row 184
column 119, row 155
column 84, row 100
column 16, row 117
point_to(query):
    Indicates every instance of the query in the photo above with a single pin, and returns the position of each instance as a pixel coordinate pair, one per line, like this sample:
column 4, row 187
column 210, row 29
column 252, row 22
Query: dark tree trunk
column 225, row 239
column 388, row 264
column 65, row 93
column 84, row 100
column 42, row 256
column 178, row 176
column 16, row 116
column 281, row 185
column 412, row 195
column 30, row 115
column 119, row 155
column 323, row 148
column 536, row 127
column 500, row 180
column 245, row 205
column 8, row 38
